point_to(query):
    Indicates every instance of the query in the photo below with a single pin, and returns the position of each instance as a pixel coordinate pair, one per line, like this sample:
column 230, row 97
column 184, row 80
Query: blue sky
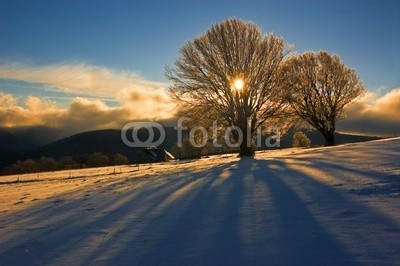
column 134, row 40
column 144, row 36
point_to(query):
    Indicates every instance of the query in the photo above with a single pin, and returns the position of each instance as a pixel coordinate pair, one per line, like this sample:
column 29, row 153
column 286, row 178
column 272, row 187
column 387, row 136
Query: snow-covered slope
column 337, row 205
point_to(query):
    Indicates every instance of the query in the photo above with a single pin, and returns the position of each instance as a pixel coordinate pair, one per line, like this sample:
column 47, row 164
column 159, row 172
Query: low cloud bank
column 138, row 98
column 81, row 115
column 374, row 115
column 141, row 99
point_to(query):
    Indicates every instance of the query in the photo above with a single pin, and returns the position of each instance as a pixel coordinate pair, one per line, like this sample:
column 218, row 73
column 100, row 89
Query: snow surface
column 338, row 205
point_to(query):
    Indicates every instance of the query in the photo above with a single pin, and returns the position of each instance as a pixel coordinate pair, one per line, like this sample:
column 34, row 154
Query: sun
column 238, row 84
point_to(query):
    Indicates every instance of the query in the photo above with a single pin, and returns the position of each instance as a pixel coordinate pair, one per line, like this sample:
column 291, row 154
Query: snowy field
column 338, row 205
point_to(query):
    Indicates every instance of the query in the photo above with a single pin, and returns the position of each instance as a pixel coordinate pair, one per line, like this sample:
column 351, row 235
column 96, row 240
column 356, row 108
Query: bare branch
column 321, row 86
column 203, row 75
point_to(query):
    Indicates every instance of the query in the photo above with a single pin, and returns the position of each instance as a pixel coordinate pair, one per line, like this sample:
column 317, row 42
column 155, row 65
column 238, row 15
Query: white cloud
column 80, row 78
column 139, row 98
column 374, row 114
column 7, row 100
column 82, row 114
column 371, row 105
column 142, row 99
column 35, row 111
column 36, row 104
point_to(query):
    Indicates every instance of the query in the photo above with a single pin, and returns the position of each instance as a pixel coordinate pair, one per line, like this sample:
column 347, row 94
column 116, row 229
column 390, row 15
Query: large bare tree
column 231, row 74
column 321, row 86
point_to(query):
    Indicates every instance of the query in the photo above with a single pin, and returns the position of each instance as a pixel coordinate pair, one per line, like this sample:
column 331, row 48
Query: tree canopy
column 321, row 86
column 231, row 73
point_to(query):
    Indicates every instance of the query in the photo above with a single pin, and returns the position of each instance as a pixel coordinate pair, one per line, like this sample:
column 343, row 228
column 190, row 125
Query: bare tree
column 97, row 159
column 321, row 86
column 300, row 140
column 231, row 74
column 68, row 162
column 119, row 159
column 47, row 164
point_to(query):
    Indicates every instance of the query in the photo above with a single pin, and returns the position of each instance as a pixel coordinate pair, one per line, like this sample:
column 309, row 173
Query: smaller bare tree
column 321, row 86
column 301, row 140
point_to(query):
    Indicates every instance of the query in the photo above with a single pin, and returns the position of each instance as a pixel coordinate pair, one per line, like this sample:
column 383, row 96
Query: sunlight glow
column 238, row 84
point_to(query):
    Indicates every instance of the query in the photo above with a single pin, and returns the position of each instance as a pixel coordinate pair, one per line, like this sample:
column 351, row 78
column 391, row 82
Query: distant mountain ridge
column 18, row 147
column 17, row 141
column 27, row 138
column 106, row 141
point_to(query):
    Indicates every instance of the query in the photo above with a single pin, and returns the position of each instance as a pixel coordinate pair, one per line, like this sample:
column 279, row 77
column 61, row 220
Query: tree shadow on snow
column 244, row 212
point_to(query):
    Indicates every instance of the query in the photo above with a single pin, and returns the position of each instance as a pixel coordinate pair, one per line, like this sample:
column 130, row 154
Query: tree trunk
column 246, row 149
column 329, row 138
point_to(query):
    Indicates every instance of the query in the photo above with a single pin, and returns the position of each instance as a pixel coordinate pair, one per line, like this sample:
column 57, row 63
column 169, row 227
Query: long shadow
column 261, row 220
column 70, row 225
column 326, row 164
column 323, row 225
column 64, row 224
column 205, row 232
column 367, row 182
column 299, row 238
column 249, row 212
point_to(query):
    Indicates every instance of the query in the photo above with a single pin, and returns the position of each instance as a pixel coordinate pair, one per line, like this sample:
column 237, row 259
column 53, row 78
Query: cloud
column 88, row 87
column 80, row 78
column 143, row 104
column 374, row 115
column 7, row 100
column 38, row 105
column 34, row 112
column 82, row 114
